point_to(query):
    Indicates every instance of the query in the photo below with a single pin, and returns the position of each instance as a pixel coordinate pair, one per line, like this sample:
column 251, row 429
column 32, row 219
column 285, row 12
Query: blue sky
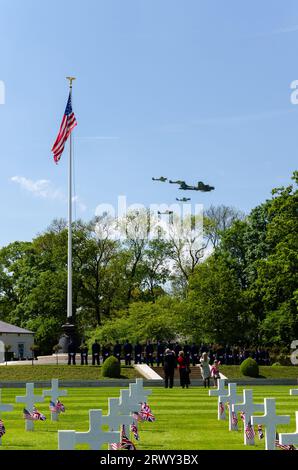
column 189, row 89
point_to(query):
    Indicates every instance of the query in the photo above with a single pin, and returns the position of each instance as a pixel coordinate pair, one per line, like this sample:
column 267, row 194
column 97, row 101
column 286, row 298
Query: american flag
column 249, row 431
column 221, row 408
column 260, row 431
column 2, row 428
column 57, row 408
column 34, row 416
column 135, row 431
column 67, row 125
column 125, row 443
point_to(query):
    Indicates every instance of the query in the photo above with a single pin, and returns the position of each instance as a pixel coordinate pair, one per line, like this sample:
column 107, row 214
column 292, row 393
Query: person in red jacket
column 183, row 364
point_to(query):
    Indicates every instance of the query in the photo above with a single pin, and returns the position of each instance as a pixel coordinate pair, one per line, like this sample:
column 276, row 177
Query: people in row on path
column 151, row 354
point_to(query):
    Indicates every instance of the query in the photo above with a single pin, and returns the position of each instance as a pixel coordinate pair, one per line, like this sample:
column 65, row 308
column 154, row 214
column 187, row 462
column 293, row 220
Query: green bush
column 111, row 368
column 249, row 367
column 276, row 364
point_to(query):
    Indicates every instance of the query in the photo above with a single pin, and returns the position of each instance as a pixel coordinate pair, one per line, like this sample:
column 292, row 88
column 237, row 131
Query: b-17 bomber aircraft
column 163, row 179
column 184, row 199
column 200, row 187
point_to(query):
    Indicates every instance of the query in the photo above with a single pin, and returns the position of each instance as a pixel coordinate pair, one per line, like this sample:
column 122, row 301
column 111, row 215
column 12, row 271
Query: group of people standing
column 183, row 363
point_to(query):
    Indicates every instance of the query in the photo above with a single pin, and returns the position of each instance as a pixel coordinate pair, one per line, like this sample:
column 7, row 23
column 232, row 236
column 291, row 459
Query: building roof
column 7, row 328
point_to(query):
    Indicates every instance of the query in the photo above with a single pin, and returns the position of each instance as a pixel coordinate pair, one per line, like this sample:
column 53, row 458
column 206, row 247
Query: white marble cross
column 95, row 437
column 114, row 418
column 4, row 408
column 231, row 398
column 127, row 404
column 294, row 391
column 290, row 438
column 138, row 393
column 270, row 420
column 29, row 400
column 248, row 407
column 54, row 393
column 220, row 391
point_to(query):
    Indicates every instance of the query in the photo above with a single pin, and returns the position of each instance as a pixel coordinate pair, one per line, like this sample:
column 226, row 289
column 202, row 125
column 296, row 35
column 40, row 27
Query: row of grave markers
column 119, row 413
column 270, row 419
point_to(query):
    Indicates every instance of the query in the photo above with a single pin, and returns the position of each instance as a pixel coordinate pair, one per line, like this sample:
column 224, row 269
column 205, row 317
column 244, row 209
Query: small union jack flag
column 34, row 416
column 221, row 408
column 234, row 418
column 135, row 431
column 284, row 447
column 260, row 431
column 57, row 408
column 125, row 443
column 146, row 413
column 2, row 428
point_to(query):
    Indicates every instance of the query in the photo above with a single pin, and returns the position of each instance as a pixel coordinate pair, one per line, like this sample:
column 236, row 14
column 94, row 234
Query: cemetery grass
column 267, row 372
column 185, row 419
column 62, row 372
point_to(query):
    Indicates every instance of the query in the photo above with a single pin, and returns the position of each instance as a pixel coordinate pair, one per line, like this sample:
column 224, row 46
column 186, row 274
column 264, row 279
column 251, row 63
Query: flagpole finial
column 71, row 79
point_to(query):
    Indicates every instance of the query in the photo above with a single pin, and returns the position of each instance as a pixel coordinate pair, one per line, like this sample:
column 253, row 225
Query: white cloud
column 40, row 188
column 46, row 190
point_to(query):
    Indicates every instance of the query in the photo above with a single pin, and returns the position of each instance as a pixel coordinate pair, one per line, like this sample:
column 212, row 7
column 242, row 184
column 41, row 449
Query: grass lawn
column 185, row 419
column 268, row 372
column 63, row 372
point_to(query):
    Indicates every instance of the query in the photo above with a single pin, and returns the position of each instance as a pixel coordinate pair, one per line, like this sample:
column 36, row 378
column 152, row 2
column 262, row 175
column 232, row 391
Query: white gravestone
column 2, row 352
column 4, row 408
column 138, row 393
column 231, row 398
column 29, row 401
column 114, row 419
column 270, row 420
column 290, row 438
column 95, row 437
column 248, row 407
column 130, row 399
column 294, row 391
column 220, row 391
column 54, row 393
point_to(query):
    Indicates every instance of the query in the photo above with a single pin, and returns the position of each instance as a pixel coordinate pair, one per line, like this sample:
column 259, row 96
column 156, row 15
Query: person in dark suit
column 149, row 350
column 138, row 353
column 127, row 352
column 117, row 351
column 71, row 353
column 84, row 354
column 160, row 354
column 187, row 350
column 106, row 352
column 95, row 353
column 169, row 367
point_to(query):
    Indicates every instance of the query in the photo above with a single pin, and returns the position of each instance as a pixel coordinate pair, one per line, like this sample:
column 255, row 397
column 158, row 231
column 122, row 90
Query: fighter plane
column 177, row 182
column 184, row 199
column 162, row 179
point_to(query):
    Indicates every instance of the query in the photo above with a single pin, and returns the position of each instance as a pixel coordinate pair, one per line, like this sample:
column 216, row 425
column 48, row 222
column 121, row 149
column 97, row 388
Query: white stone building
column 19, row 339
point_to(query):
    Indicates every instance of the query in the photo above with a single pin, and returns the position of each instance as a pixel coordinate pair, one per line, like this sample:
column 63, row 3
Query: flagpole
column 69, row 252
